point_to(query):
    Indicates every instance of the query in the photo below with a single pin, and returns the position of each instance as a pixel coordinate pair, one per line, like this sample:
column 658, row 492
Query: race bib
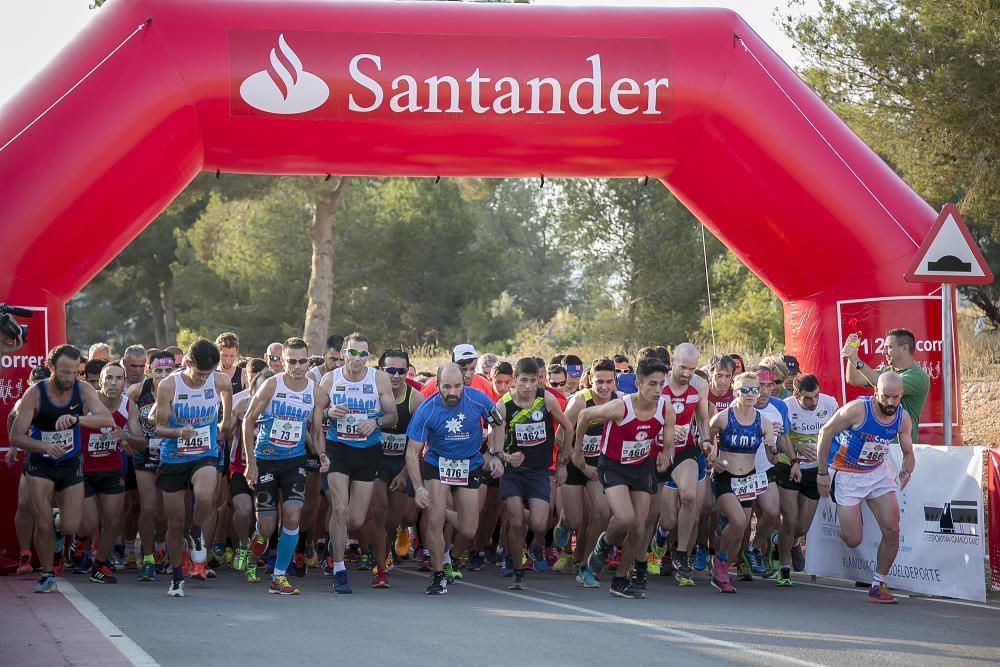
column 749, row 487
column 873, row 453
column 153, row 449
column 681, row 434
column 201, row 443
column 100, row 444
column 393, row 444
column 62, row 438
column 285, row 432
column 634, row 451
column 591, row 445
column 347, row 428
column 453, row 472
column 529, row 435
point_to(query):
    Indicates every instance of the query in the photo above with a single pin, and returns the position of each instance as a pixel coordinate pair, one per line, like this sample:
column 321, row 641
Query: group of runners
column 175, row 465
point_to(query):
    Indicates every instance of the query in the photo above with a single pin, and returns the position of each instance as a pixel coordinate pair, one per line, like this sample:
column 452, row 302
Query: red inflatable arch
column 691, row 97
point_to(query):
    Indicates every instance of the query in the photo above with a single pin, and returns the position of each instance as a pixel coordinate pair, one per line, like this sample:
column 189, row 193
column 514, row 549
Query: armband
column 494, row 417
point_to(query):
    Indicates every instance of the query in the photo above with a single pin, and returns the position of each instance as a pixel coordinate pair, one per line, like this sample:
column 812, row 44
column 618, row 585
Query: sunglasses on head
column 296, row 362
column 394, row 371
column 749, row 390
column 357, row 353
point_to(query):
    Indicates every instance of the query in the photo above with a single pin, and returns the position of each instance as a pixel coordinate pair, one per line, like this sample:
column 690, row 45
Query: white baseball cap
column 464, row 352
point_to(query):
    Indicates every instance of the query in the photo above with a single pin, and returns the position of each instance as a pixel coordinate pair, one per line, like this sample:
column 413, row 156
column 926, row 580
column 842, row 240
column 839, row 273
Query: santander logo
column 295, row 91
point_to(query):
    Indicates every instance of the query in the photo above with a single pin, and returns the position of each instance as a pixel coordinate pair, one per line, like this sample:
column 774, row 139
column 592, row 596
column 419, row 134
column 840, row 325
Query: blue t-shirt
column 452, row 432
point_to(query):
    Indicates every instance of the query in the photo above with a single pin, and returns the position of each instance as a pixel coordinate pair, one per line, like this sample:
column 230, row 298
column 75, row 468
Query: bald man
column 864, row 430
column 273, row 357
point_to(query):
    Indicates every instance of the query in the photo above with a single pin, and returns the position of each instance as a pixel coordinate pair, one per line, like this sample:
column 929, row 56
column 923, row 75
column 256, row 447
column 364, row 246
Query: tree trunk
column 156, row 303
column 169, row 312
column 320, row 291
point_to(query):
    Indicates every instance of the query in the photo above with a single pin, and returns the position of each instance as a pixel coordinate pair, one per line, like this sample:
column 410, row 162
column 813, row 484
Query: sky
column 33, row 31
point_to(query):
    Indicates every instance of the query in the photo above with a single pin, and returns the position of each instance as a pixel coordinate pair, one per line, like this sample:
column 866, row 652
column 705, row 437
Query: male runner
column 275, row 430
column 188, row 405
column 361, row 402
column 273, row 357
column 55, row 409
column 466, row 357
column 450, row 422
column 332, row 358
column 229, row 351
column 524, row 441
column 864, row 429
column 134, row 361
column 630, row 457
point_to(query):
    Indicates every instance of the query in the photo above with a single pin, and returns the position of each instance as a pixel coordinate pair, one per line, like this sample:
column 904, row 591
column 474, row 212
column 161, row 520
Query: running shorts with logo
column 63, row 474
column 105, row 483
column 287, row 476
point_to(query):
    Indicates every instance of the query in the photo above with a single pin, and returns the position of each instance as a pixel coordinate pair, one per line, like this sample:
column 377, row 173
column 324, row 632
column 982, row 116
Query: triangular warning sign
column 948, row 254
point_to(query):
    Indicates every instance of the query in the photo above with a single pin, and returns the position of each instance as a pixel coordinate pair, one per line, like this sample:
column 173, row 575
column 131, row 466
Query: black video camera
column 9, row 326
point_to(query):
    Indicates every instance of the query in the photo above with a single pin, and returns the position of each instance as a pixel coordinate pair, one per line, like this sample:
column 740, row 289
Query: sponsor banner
column 361, row 76
column 871, row 318
column 941, row 545
column 993, row 514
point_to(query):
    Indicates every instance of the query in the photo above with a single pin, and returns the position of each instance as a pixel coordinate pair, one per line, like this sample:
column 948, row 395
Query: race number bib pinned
column 153, row 449
column 62, row 438
column 749, row 487
column 591, row 445
column 347, row 428
column 285, row 432
column 634, row 451
column 200, row 443
column 393, row 444
column 101, row 444
column 873, row 453
column 530, row 434
column 453, row 472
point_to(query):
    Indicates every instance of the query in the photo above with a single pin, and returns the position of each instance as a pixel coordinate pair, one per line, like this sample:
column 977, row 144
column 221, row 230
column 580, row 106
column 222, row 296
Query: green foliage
column 747, row 314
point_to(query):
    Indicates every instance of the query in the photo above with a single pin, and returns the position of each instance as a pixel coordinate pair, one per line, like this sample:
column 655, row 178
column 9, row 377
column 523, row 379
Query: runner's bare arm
column 136, row 440
column 18, row 431
column 388, row 400
column 906, row 446
column 321, row 400
column 224, row 387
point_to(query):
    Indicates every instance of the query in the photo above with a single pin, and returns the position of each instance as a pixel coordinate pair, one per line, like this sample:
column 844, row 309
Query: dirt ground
column 981, row 412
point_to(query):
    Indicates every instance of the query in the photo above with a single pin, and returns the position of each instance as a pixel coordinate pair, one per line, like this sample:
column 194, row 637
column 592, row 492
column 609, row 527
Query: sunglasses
column 749, row 390
column 558, row 384
column 394, row 371
column 296, row 362
column 357, row 353
column 619, row 371
column 273, row 357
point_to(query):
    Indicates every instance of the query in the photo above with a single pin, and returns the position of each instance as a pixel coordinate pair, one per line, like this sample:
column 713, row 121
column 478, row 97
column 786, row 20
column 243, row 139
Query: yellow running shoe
column 652, row 564
column 402, row 543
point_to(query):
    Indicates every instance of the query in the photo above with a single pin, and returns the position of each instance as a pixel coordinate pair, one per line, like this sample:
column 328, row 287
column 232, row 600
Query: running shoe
column 720, row 577
column 653, row 564
column 176, row 589
column 251, row 573
column 227, row 555
column 258, row 545
column 366, row 562
column 798, row 558
column 587, row 579
column 240, row 558
column 743, row 570
column 24, row 563
column 753, row 559
column 85, row 565
column 299, row 564
column 551, row 556
column 341, row 584
column 159, row 558
column 198, row 571
column 682, row 570
column 402, row 546
column 598, row 557
column 621, row 587
column 312, row 558
column 561, row 534
column 199, row 554
column 656, row 548
column 58, row 563
column 280, row 586
column 774, row 556
column 327, row 566
column 784, row 577
column 878, row 593
column 148, row 571
column 518, row 583
column 381, row 579
column 425, row 561
column 614, row 558
column 46, row 583
column 210, row 573
column 526, row 562
column 507, row 569
column 102, row 575
column 538, row 561
column 453, row 572
column 564, row 565
column 389, row 563
column 77, row 552
column 118, row 554
column 475, row 562
column 637, row 578
column 439, row 584
column 700, row 558
column 130, row 561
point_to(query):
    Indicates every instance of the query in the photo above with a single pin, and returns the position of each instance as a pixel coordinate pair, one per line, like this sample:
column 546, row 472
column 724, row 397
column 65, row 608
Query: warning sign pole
column 946, row 359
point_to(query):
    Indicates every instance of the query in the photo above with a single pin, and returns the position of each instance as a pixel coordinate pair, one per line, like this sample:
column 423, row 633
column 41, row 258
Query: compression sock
column 286, row 547
column 661, row 537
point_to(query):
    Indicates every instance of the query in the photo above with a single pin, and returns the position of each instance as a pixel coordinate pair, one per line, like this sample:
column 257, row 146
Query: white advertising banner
column 941, row 544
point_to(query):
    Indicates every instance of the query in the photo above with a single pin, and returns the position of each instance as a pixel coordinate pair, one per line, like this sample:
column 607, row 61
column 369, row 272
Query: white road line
column 691, row 636
column 963, row 603
column 132, row 651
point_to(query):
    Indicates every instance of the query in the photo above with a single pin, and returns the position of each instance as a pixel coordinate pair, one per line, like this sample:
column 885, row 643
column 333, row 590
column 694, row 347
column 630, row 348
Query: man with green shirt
column 898, row 349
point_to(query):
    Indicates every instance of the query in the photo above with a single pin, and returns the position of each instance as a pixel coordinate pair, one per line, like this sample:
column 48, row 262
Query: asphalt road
column 227, row 622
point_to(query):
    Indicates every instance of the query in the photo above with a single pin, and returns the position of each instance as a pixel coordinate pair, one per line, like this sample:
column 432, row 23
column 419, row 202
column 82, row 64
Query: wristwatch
column 859, row 364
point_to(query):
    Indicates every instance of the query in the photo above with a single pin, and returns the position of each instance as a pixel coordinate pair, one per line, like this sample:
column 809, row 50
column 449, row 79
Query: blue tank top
column 362, row 402
column 282, row 426
column 199, row 409
column 740, row 438
column 864, row 449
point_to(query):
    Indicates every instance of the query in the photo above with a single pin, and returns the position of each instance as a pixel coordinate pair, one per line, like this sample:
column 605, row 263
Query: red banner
column 993, row 514
column 871, row 319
